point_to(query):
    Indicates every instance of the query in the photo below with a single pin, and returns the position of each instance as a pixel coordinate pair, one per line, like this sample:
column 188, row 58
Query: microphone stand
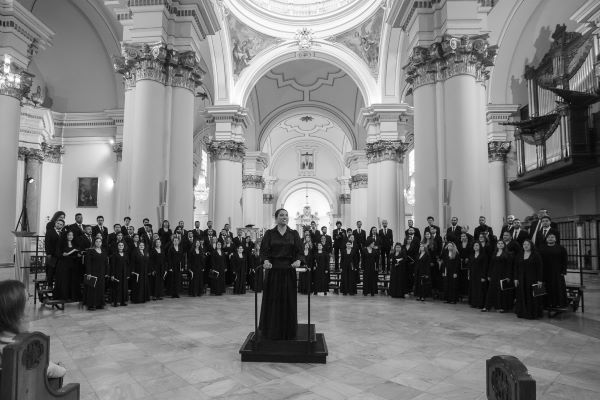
column 255, row 337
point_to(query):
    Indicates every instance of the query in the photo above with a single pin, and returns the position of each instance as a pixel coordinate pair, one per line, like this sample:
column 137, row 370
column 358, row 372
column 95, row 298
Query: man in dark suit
column 518, row 234
column 454, row 231
column 86, row 240
column 238, row 240
column 510, row 219
column 51, row 241
column 386, row 237
column 142, row 229
column 544, row 231
column 227, row 230
column 112, row 237
column 482, row 228
column 146, row 237
column 328, row 247
column 101, row 229
column 360, row 236
column 430, row 221
column 125, row 226
column 416, row 231
column 315, row 235
column 339, row 242
column 209, row 232
column 77, row 227
column 511, row 245
column 536, row 225
column 198, row 233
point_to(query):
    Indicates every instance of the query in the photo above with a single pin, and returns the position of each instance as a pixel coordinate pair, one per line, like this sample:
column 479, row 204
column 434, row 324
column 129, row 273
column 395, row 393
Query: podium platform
column 299, row 350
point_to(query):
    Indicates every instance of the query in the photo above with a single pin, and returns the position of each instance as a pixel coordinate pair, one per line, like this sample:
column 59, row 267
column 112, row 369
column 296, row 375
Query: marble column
column 356, row 162
column 125, row 207
column 33, row 169
column 268, row 210
column 344, row 201
column 253, row 185
column 497, row 152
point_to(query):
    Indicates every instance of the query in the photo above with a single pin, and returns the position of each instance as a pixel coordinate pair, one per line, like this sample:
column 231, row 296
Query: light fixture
column 16, row 81
column 29, row 179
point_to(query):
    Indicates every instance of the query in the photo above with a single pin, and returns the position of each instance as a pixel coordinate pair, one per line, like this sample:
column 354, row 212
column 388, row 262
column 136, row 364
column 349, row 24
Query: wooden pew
column 23, row 373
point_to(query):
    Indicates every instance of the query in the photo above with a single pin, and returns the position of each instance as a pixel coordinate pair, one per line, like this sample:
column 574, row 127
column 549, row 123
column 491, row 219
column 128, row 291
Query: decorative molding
column 118, row 150
column 29, row 153
column 226, row 150
column 53, row 152
column 304, row 38
column 253, row 182
column 498, row 150
column 268, row 198
column 453, row 55
column 382, row 150
column 359, row 181
column 344, row 198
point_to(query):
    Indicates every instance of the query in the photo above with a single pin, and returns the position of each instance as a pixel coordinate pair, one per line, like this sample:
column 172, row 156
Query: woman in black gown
column 377, row 246
column 478, row 276
column 422, row 274
column 67, row 279
column 238, row 266
column 398, row 265
column 281, row 250
column 451, row 266
column 96, row 267
column 321, row 283
column 309, row 261
column 140, row 286
column 370, row 258
column 500, row 268
column 158, row 270
column 175, row 261
column 119, row 272
column 464, row 250
column 165, row 234
column 528, row 271
column 218, row 263
column 554, row 259
column 348, row 265
column 196, row 264
column 412, row 253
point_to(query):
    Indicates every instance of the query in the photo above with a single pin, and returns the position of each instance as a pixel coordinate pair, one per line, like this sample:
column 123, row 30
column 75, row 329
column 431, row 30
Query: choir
column 522, row 270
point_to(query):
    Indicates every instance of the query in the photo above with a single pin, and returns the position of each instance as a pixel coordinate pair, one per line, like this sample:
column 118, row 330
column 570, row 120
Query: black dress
column 554, row 260
column 499, row 268
column 175, row 261
column 348, row 265
column 369, row 264
column 278, row 313
column 303, row 277
column 196, row 264
column 527, row 272
column 140, row 286
column 119, row 272
column 464, row 250
column 451, row 266
column 238, row 266
column 96, row 264
column 228, row 251
column 412, row 253
column 397, row 274
column 477, row 272
column 218, row 264
column 67, row 278
column 321, row 283
column 158, row 269
column 256, row 273
column 423, row 276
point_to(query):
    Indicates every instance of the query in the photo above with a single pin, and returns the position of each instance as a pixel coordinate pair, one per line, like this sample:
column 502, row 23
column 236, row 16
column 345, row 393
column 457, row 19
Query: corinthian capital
column 382, row 150
column 226, row 150
column 359, row 181
column 453, row 55
column 253, row 181
column 497, row 150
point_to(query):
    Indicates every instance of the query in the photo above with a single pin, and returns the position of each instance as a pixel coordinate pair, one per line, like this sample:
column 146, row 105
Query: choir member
column 128, row 236
column 238, row 266
column 142, row 229
column 248, row 246
column 315, row 234
column 339, row 239
column 451, row 267
column 483, row 228
column 228, row 232
column 198, row 233
column 360, row 237
column 51, row 242
column 187, row 244
column 328, row 244
column 85, row 241
column 464, row 250
column 397, row 274
column 181, row 228
column 518, row 233
column 528, row 271
column 217, row 273
column 175, row 262
column 536, row 226
column 99, row 228
column 68, row 276
column 209, row 233
column 386, row 237
column 422, row 274
column 554, row 259
column 112, row 237
column 433, row 245
column 146, row 235
column 239, row 239
column 322, row 257
column 412, row 252
column 356, row 255
column 430, row 224
column 257, row 274
column 125, row 227
column 228, row 250
column 58, row 216
column 119, row 272
column 165, row 234
column 135, row 242
column 113, row 248
column 508, row 227
column 485, row 245
column 511, row 245
column 303, row 277
column 158, row 268
column 500, row 268
column 545, row 230
column 96, row 267
column 196, row 264
column 415, row 231
column 478, row 264
column 140, row 286
column 454, row 231
column 348, row 266
column 77, row 227
column 370, row 258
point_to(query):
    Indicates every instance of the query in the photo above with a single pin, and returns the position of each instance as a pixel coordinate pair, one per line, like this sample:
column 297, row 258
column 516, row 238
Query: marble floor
column 379, row 348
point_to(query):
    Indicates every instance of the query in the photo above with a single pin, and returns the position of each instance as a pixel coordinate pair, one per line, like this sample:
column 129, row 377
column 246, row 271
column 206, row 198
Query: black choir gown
column 554, row 260
column 370, row 273
column 451, row 266
column 175, row 262
column 527, row 272
column 96, row 264
column 303, row 277
column 321, row 283
column 412, row 253
column 465, row 251
column 140, row 285
column 348, row 266
column 423, row 276
column 437, row 281
column 158, row 270
column 256, row 273
column 278, row 313
column 218, row 263
column 238, row 265
column 397, row 274
column 228, row 251
column 478, row 271
column 500, row 268
column 119, row 272
column 67, row 278
column 196, row 264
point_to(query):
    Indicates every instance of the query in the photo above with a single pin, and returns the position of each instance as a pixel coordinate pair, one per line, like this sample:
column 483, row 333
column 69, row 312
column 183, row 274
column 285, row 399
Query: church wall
column 89, row 159
column 50, row 192
column 526, row 202
column 586, row 200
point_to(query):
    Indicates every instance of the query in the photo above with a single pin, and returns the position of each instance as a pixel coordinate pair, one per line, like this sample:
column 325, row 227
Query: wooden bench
column 23, row 373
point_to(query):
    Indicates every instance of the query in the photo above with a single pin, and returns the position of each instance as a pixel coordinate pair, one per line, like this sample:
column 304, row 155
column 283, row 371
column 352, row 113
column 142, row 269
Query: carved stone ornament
column 226, row 150
column 497, row 151
column 253, row 182
column 345, row 198
column 16, row 83
column 32, row 355
column 28, row 153
column 304, row 38
column 268, row 198
column 471, row 55
column 382, row 150
column 53, row 152
column 118, row 150
column 508, row 379
column 158, row 63
column 359, row 181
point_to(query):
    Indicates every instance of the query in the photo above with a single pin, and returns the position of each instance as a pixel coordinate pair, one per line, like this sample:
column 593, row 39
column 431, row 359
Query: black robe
column 238, row 266
column 463, row 272
column 478, row 279
column 303, row 277
column 196, row 264
column 256, row 273
column 96, row 264
column 218, row 263
column 370, row 273
column 500, row 268
column 555, row 259
column 321, row 283
column 158, row 270
column 397, row 274
column 412, row 253
column 451, row 267
column 68, row 276
column 423, row 276
column 119, row 272
column 175, row 262
column 348, row 267
column 140, row 285
column 527, row 272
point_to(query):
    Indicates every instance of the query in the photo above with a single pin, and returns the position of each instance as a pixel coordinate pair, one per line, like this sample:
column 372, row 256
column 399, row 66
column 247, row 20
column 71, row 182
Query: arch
column 390, row 64
column 328, row 52
column 277, row 153
column 302, row 183
column 324, row 110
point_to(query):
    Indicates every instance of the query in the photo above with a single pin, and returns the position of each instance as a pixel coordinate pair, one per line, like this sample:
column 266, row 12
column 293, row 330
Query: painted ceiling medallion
column 304, row 38
column 306, row 118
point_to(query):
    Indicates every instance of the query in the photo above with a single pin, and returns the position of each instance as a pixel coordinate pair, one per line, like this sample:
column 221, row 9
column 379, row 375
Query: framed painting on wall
column 87, row 192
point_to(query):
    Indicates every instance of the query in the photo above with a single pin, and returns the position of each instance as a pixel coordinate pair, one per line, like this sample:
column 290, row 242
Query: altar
column 303, row 220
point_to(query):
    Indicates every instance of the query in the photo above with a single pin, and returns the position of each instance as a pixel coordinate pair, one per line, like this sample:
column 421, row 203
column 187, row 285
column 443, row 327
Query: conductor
column 281, row 253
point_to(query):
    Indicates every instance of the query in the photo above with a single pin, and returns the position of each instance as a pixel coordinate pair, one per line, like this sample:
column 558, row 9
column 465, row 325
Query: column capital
column 498, row 150
column 451, row 56
column 268, row 198
column 117, row 148
column 382, row 150
column 226, row 150
column 30, row 153
column 253, row 182
column 255, row 162
column 359, row 181
column 381, row 121
column 356, row 161
column 53, row 152
column 230, row 121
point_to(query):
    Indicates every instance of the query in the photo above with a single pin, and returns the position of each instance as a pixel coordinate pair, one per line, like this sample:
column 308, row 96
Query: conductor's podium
column 304, row 349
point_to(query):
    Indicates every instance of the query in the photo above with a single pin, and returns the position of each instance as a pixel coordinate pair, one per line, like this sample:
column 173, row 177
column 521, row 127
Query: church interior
column 218, row 113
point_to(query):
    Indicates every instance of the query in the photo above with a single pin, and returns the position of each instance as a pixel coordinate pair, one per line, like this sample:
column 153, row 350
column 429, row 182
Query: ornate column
column 268, row 202
column 253, row 185
column 497, row 152
column 345, row 201
column 33, row 159
column 358, row 184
